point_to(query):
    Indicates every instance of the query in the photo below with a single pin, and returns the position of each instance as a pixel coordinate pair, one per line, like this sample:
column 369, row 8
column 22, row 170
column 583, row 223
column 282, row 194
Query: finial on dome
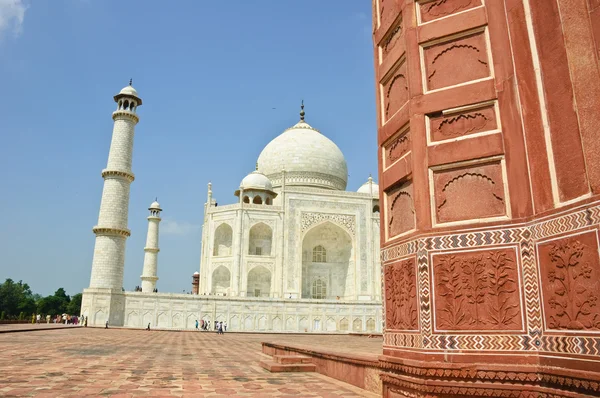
column 130, row 81
column 156, row 199
column 256, row 169
column 302, row 111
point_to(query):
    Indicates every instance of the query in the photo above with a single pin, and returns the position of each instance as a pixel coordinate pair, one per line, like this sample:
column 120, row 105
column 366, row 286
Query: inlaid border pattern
column 525, row 237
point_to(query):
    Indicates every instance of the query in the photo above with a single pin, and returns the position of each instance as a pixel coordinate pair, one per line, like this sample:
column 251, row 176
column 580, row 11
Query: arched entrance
column 327, row 263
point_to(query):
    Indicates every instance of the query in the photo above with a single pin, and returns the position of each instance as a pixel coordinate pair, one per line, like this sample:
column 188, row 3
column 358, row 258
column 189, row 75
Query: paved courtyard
column 129, row 363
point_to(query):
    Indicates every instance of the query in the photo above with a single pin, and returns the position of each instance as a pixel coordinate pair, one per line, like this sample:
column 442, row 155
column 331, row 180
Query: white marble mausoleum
column 296, row 252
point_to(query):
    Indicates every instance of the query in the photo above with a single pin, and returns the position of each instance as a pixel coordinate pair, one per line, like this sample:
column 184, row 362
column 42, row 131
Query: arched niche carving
column 260, row 240
column 223, row 239
column 221, row 280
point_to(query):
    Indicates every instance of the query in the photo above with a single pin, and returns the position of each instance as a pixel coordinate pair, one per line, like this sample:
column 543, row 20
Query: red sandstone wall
column 489, row 162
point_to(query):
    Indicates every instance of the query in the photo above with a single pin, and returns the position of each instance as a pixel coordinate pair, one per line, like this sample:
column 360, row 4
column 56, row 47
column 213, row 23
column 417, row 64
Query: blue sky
column 209, row 73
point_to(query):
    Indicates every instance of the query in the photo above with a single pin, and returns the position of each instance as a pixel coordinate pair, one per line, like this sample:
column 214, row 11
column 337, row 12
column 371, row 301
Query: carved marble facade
column 343, row 223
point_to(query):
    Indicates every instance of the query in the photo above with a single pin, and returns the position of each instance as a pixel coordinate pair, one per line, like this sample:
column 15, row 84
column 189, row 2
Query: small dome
column 129, row 90
column 196, row 273
column 370, row 187
column 155, row 206
column 256, row 180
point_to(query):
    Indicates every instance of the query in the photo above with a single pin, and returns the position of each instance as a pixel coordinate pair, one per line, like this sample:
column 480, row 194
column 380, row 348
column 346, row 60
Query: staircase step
column 273, row 367
column 289, row 359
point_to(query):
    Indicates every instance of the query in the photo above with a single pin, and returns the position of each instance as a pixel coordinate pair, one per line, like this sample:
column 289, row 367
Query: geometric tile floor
column 82, row 362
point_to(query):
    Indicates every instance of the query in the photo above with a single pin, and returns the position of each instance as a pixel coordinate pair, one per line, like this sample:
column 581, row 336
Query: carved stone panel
column 477, row 291
column 388, row 11
column 456, row 61
column 469, row 193
column 445, row 126
column 401, row 307
column 391, row 39
column 394, row 90
column 435, row 9
column 397, row 147
column 400, row 211
column 570, row 277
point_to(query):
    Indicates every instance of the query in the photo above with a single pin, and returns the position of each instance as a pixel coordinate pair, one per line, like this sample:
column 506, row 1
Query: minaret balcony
column 118, row 173
column 111, row 231
column 124, row 114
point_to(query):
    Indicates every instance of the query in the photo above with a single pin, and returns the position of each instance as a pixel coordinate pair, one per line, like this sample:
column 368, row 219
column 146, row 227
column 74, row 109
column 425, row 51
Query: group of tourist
column 219, row 327
column 64, row 318
column 139, row 289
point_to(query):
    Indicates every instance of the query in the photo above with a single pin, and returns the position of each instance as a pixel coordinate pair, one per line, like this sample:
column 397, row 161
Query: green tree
column 16, row 298
column 74, row 306
column 55, row 304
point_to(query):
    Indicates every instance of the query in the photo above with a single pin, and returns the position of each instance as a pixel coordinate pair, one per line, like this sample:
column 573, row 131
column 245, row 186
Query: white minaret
column 151, row 250
column 111, row 231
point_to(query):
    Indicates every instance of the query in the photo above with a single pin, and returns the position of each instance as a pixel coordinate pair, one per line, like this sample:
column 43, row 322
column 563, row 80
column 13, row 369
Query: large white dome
column 308, row 157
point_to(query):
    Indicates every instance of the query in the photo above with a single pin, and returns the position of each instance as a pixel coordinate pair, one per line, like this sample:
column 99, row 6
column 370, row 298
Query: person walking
column 106, row 325
column 197, row 325
column 225, row 326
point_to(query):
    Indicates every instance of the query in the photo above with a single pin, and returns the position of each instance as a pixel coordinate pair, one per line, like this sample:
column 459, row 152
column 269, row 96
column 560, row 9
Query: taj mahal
column 295, row 252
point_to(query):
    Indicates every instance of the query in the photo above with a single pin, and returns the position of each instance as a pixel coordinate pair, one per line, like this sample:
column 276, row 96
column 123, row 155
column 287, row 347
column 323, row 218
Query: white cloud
column 172, row 227
column 12, row 14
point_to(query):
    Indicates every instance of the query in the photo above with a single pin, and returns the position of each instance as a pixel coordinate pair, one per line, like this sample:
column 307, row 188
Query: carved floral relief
column 570, row 272
column 460, row 124
column 477, row 291
column 456, row 61
column 442, row 8
column 401, row 308
column 469, row 193
column 395, row 91
column 400, row 209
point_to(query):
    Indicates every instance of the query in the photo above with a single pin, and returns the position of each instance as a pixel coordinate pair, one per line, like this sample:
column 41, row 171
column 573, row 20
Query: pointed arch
column 259, row 282
column 260, row 240
column 327, row 262
column 221, row 280
column 223, row 239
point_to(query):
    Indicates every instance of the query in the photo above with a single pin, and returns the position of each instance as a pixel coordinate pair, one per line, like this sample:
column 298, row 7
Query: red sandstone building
column 488, row 129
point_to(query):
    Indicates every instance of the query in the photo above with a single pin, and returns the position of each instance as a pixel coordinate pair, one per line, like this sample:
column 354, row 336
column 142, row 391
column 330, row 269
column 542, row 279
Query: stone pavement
column 18, row 327
column 130, row 363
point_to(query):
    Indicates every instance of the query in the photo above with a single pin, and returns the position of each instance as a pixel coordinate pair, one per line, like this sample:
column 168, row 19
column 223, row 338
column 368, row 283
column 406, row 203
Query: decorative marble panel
column 394, row 90
column 456, row 61
column 570, row 274
column 347, row 221
column 477, row 291
column 400, row 211
column 473, row 120
column 469, row 193
column 435, row 9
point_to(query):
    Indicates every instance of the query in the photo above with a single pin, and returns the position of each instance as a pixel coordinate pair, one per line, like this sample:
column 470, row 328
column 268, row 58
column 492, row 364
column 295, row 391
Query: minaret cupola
column 128, row 100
